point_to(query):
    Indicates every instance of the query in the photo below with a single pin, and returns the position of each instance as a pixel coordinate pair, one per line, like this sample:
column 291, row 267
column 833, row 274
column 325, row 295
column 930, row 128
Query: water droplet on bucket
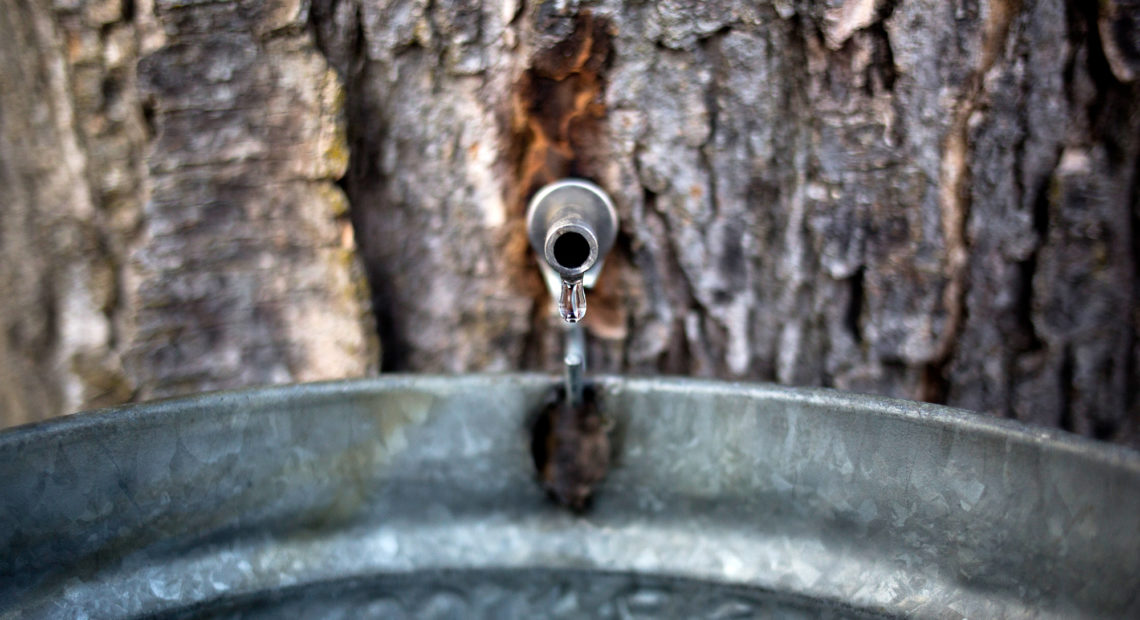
column 572, row 301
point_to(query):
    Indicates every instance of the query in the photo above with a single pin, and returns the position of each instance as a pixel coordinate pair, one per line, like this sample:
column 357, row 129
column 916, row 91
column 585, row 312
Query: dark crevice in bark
column 322, row 13
column 1107, row 89
column 824, row 377
column 1075, row 35
column 1104, row 430
column 520, row 10
column 1109, row 107
column 1126, row 429
column 1132, row 352
column 1027, row 269
column 364, row 180
column 886, row 9
column 1041, row 205
column 932, row 383
column 853, row 318
column 1065, row 383
column 882, row 71
column 50, row 308
column 148, row 116
column 885, row 54
column 674, row 360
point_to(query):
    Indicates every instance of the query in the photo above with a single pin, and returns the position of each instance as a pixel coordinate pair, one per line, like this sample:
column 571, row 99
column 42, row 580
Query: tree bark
column 171, row 221
column 918, row 198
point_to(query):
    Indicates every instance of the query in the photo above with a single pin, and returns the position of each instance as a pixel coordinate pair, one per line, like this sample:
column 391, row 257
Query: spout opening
column 571, row 250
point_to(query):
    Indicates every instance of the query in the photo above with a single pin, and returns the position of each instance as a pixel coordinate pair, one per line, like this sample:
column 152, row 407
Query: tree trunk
column 919, row 198
column 171, row 221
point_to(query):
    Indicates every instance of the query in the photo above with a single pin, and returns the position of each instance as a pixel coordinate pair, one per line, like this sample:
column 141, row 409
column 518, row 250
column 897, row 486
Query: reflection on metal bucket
column 419, row 494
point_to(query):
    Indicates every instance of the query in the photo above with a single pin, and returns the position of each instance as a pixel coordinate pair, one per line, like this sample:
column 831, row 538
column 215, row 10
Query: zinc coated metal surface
column 417, row 494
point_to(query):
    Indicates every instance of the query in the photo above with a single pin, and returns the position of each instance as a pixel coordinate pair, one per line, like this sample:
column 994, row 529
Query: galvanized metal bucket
column 417, row 496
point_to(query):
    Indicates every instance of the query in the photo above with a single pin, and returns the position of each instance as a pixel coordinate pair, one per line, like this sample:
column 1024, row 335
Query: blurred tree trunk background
column 919, row 198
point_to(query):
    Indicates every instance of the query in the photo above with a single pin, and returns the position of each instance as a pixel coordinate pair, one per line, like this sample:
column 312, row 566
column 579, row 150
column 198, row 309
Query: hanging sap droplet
column 572, row 301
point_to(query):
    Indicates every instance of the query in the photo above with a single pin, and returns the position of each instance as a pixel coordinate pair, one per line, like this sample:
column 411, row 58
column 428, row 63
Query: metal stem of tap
column 575, row 362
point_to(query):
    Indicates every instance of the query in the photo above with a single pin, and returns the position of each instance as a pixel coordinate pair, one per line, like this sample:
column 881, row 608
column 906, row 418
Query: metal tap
column 571, row 225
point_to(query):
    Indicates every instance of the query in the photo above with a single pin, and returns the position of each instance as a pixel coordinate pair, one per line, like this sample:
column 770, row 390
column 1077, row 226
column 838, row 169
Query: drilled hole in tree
column 571, row 250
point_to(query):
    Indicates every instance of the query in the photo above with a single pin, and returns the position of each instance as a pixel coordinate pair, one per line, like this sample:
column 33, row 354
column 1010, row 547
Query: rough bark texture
column 919, row 198
column 170, row 219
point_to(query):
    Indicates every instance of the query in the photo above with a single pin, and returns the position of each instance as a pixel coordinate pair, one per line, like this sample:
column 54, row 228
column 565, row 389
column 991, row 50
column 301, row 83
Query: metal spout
column 571, row 225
